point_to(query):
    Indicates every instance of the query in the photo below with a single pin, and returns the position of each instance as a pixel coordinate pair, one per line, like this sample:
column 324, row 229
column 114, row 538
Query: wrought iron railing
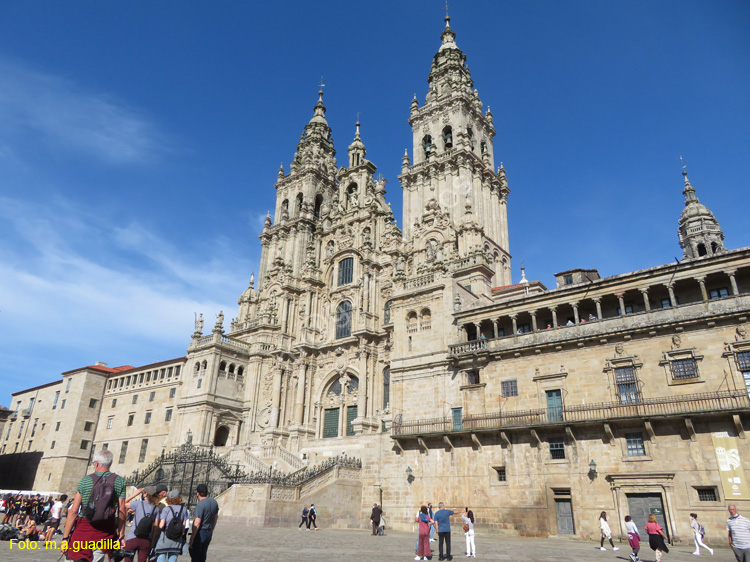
column 300, row 476
column 706, row 402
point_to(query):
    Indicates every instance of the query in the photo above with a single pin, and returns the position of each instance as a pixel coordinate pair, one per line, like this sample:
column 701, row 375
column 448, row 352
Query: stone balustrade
column 421, row 281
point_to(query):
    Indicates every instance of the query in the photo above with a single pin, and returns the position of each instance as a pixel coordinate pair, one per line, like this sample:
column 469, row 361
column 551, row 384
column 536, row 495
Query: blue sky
column 140, row 141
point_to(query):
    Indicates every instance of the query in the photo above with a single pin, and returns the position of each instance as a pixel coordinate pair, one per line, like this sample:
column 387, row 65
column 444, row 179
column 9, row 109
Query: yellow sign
column 730, row 466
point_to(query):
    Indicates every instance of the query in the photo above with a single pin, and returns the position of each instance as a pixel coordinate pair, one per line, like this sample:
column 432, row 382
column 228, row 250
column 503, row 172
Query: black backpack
column 175, row 525
column 103, row 500
column 145, row 525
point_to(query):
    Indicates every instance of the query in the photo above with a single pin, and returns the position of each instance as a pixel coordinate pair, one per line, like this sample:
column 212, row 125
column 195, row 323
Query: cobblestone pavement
column 237, row 542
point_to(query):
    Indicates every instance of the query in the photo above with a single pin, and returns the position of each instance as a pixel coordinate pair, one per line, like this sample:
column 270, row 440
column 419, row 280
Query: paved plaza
column 238, row 542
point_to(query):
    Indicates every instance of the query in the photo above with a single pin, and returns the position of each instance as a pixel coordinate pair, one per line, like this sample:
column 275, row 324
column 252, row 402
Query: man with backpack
column 97, row 512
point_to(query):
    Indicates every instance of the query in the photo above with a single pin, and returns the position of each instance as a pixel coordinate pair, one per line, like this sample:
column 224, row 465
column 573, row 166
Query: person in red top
column 423, row 543
column 656, row 537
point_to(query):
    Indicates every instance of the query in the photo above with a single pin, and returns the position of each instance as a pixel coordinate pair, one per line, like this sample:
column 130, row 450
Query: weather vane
column 446, row 8
column 322, row 83
column 684, row 166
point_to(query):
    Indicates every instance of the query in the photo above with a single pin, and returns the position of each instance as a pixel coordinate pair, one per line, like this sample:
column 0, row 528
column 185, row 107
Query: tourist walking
column 443, row 519
column 423, row 541
column 375, row 518
column 468, row 519
column 738, row 529
column 100, row 520
column 656, row 537
column 698, row 533
column 305, row 522
column 55, row 515
column 206, row 518
column 606, row 532
column 146, row 515
column 173, row 523
column 634, row 538
column 312, row 516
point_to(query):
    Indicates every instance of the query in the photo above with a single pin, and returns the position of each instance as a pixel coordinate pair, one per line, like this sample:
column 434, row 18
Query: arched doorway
column 222, row 436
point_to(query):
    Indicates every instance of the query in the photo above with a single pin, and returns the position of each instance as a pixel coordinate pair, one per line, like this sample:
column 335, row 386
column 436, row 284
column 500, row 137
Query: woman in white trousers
column 468, row 519
column 698, row 535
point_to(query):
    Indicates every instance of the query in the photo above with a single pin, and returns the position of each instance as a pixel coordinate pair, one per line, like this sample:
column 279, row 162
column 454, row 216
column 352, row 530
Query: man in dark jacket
column 375, row 518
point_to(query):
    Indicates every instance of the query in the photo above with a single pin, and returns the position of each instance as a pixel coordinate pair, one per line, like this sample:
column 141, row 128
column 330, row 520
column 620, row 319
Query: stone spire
column 699, row 231
column 316, row 143
column 357, row 150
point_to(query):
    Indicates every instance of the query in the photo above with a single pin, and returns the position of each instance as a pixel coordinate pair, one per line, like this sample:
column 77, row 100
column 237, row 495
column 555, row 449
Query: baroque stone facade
column 413, row 351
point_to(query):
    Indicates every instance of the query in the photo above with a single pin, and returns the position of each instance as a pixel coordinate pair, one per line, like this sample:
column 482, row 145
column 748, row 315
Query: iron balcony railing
column 706, row 402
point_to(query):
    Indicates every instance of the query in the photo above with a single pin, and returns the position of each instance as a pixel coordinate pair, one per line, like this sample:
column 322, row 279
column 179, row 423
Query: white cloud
column 62, row 116
column 68, row 280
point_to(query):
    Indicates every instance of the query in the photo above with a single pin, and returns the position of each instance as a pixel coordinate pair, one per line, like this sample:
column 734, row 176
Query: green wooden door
column 351, row 414
column 331, row 423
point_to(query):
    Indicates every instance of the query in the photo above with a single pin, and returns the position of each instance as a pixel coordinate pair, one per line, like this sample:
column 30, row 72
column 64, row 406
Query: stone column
column 276, row 404
column 478, row 329
column 299, row 407
column 621, row 300
column 672, row 299
column 533, row 321
column 702, row 283
column 576, row 319
column 598, row 303
column 646, row 303
column 553, row 309
column 494, row 328
column 733, row 282
column 514, row 317
column 363, row 381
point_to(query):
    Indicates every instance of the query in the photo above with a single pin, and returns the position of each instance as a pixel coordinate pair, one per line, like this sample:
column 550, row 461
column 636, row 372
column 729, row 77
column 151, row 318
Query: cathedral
column 412, row 351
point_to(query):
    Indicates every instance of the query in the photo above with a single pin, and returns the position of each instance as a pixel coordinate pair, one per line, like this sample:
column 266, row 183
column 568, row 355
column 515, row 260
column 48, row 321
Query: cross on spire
column 684, row 166
column 446, row 8
column 321, row 84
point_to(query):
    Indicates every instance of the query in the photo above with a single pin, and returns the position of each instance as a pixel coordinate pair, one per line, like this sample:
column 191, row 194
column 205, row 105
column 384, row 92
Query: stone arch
column 221, row 436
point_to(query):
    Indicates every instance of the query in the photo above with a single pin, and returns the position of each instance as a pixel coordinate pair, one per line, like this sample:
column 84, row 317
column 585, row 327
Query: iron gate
column 185, row 468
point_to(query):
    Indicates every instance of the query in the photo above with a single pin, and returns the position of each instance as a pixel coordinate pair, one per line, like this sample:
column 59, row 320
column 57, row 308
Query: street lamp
column 592, row 469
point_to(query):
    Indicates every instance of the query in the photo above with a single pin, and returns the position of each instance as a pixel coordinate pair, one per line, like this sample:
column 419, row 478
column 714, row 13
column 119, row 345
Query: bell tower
column 453, row 161
column 700, row 233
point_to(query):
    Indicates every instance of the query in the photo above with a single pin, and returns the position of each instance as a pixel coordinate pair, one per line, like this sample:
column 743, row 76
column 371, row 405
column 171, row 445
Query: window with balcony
column 684, row 369
column 634, row 444
column 743, row 363
column 627, row 385
column 346, row 271
column 557, row 448
column 509, row 388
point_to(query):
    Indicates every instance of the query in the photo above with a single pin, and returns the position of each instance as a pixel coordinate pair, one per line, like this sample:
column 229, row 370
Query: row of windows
column 145, row 377
column 146, row 419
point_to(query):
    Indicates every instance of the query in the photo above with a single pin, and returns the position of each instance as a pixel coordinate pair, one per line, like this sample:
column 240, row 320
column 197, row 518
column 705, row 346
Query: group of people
column 738, row 529
column 440, row 520
column 309, row 516
column 98, row 512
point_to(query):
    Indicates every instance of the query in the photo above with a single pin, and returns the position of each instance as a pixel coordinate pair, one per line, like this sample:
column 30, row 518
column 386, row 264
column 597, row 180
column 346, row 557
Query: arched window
column 386, row 387
column 346, row 271
column 240, row 372
column 318, row 205
column 231, row 368
column 448, row 137
column 197, row 366
column 427, row 144
column 387, row 312
column 483, row 147
column 702, row 249
column 714, row 247
column 204, row 365
column 300, row 201
column 344, row 320
column 425, row 319
column 285, row 208
column 411, row 322
column 223, row 366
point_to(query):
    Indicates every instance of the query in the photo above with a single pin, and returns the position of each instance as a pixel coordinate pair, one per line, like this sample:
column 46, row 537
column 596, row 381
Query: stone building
column 412, row 350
